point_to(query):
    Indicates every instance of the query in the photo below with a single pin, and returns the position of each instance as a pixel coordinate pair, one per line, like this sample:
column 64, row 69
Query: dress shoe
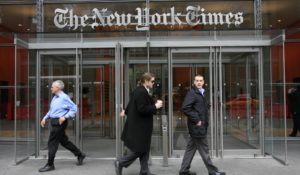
column 118, row 168
column 47, row 168
column 80, row 159
column 217, row 173
column 188, row 173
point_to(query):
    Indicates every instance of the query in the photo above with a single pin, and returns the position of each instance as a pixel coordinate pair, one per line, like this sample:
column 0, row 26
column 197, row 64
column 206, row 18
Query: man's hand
column 122, row 113
column 199, row 123
column 43, row 122
column 61, row 120
column 158, row 104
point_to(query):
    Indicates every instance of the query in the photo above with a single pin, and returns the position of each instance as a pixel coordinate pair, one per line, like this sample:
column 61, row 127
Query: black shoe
column 80, row 159
column 293, row 135
column 188, row 173
column 118, row 168
column 47, row 168
column 217, row 173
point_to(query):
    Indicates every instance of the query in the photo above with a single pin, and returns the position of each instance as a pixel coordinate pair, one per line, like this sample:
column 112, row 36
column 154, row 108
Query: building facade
column 247, row 51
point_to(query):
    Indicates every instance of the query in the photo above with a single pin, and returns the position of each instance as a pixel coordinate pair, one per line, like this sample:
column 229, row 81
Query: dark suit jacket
column 139, row 123
column 195, row 107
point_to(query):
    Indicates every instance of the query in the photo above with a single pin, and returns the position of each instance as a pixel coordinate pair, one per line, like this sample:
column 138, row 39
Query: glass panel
column 278, row 102
column 98, row 102
column 57, row 66
column 268, row 128
column 185, row 66
column 136, row 60
column 292, row 63
column 24, row 108
column 7, row 68
column 275, row 108
column 241, row 128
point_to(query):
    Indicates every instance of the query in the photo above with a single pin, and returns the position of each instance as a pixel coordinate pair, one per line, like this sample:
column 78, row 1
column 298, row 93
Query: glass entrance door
column 137, row 62
column 98, row 125
column 57, row 65
column 89, row 77
column 240, row 101
column 186, row 63
column 231, row 83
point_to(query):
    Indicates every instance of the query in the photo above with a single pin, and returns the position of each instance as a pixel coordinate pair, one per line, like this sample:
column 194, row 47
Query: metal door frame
column 215, row 77
column 40, row 53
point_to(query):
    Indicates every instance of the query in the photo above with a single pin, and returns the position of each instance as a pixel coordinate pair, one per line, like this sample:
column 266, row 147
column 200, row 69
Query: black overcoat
column 195, row 107
column 138, row 127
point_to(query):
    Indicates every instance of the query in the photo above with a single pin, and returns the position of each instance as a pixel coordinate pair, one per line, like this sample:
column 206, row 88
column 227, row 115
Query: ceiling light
column 279, row 20
column 28, row 29
column 271, row 25
column 20, row 25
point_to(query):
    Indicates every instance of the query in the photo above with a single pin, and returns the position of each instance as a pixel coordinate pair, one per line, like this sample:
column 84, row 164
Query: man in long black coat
column 138, row 126
column 195, row 107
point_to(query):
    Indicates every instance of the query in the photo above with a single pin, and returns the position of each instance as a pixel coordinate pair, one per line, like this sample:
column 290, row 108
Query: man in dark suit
column 195, row 107
column 138, row 126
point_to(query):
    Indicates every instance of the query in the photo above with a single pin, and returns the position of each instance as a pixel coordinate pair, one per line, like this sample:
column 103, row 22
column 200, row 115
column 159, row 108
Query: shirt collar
column 148, row 90
column 59, row 94
column 201, row 90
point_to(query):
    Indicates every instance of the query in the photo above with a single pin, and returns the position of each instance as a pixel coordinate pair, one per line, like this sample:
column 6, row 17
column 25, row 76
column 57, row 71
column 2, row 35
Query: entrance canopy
column 153, row 39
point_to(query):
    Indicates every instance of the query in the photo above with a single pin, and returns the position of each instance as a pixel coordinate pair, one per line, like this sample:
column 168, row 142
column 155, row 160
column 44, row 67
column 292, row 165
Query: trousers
column 58, row 135
column 201, row 145
column 131, row 156
column 296, row 125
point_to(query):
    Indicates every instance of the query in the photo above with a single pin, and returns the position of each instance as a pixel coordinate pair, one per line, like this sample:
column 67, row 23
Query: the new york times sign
column 193, row 16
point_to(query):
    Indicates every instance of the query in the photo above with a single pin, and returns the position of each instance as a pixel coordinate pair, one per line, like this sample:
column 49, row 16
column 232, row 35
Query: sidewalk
column 232, row 166
column 105, row 167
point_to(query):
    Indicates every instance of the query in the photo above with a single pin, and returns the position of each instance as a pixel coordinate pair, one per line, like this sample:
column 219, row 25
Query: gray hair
column 60, row 84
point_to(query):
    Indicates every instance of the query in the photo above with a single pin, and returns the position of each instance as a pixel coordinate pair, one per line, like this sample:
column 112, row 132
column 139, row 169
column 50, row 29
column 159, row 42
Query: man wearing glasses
column 138, row 126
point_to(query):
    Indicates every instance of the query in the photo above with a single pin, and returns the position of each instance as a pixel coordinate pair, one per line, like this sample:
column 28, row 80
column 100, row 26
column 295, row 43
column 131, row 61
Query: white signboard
column 193, row 16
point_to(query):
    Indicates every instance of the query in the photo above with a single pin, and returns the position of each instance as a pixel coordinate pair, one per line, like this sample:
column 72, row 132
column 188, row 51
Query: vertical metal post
column 37, row 104
column 170, row 99
column 216, row 94
column 258, row 18
column 148, row 53
column 118, row 99
column 39, row 18
column 80, row 93
column 211, row 101
column 165, row 139
column 221, row 100
column 148, row 33
column 15, row 99
column 284, row 95
column 258, row 14
column 261, row 102
column 102, row 92
column 77, row 100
